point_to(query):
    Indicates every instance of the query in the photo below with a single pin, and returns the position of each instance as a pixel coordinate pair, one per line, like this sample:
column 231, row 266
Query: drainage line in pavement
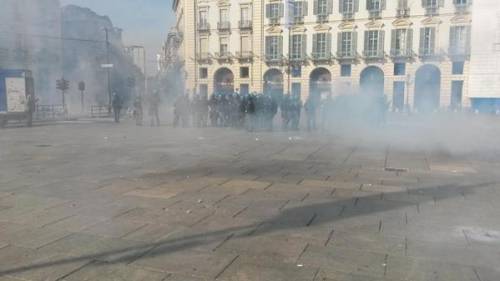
column 302, row 253
column 330, row 236
column 283, row 206
column 240, row 211
column 311, row 220
column 223, row 241
column 226, row 267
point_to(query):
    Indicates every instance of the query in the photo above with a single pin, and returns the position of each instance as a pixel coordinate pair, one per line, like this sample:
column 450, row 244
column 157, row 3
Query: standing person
column 310, row 107
column 326, row 111
column 154, row 105
column 212, row 104
column 116, row 103
column 203, row 111
column 31, row 107
column 138, row 113
column 195, row 111
column 250, row 111
column 295, row 111
column 285, row 112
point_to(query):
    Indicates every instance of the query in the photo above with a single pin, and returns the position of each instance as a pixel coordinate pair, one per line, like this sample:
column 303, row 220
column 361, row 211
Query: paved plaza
column 99, row 201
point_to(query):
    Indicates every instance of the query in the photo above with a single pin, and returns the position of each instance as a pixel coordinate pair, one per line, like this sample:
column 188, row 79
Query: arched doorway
column 320, row 83
column 273, row 83
column 224, row 81
column 427, row 88
column 372, row 81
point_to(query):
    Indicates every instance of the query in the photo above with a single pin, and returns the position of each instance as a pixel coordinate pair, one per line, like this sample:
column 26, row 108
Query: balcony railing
column 431, row 11
column 223, row 26
column 203, row 26
column 346, row 54
column 298, row 20
column 245, row 24
column 458, row 51
column 321, row 56
column 403, row 12
column 347, row 16
column 274, row 58
column 274, row 20
column 402, row 53
column 203, row 56
column 373, row 54
column 223, row 55
column 322, row 18
column 244, row 55
column 427, row 52
column 375, row 13
column 462, row 8
column 297, row 57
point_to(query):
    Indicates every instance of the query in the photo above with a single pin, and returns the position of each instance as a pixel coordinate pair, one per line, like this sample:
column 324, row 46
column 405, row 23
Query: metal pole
column 108, row 70
column 145, row 72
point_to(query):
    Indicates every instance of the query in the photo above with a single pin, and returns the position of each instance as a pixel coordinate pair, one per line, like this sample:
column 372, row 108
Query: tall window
column 374, row 43
column 203, row 20
column 348, row 7
column 299, row 11
column 402, row 4
column 374, row 5
column 245, row 14
column 274, row 12
column 323, row 8
column 246, row 45
column 274, row 46
column 461, row 2
column 459, row 40
column 224, row 15
column 321, row 45
column 224, row 46
column 203, row 47
column 427, row 40
column 297, row 43
column 347, row 44
column 401, row 44
column 431, row 6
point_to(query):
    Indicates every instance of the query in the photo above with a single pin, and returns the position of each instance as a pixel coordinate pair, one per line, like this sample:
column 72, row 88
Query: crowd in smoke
column 260, row 112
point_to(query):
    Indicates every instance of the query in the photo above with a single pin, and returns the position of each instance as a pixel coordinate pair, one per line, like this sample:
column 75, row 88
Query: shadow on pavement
column 322, row 213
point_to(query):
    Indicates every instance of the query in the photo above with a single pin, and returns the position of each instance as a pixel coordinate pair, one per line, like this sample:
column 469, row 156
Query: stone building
column 30, row 33
column 414, row 51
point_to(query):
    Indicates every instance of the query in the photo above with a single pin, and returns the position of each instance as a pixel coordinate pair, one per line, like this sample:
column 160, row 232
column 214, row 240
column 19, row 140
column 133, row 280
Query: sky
column 144, row 22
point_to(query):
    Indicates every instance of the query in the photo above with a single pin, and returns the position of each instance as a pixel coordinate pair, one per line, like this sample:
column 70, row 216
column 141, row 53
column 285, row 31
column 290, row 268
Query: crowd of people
column 258, row 111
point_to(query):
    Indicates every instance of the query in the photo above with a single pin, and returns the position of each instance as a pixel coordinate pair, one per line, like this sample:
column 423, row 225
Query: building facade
column 416, row 52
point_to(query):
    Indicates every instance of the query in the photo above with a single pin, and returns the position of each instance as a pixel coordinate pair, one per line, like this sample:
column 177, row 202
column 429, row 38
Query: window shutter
column 433, row 38
column 304, row 46
column 452, row 42
column 268, row 45
column 368, row 4
column 330, row 7
column 268, row 10
column 424, row 3
column 382, row 4
column 468, row 40
column 315, row 10
column 356, row 6
column 304, row 8
column 441, row 3
column 381, row 42
column 366, row 41
column 329, row 43
column 409, row 40
column 422, row 39
column 315, row 43
column 393, row 39
column 282, row 10
column 341, row 6
column 280, row 46
column 354, row 43
column 339, row 43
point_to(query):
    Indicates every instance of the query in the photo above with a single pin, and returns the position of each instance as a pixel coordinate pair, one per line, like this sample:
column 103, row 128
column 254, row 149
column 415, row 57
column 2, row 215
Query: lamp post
column 408, row 81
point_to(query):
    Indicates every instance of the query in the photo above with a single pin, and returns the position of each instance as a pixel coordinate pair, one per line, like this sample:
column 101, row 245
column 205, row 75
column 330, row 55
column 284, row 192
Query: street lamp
column 409, row 81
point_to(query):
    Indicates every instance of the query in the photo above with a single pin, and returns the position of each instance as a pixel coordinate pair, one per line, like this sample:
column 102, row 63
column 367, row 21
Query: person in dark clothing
column 311, row 108
column 154, row 105
column 250, row 111
column 181, row 111
column 117, row 104
column 138, row 111
column 295, row 110
column 285, row 112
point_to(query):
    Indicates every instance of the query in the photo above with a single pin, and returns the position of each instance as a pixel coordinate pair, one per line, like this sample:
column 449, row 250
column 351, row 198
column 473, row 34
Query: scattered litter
column 384, row 264
column 105, row 138
column 201, row 138
column 256, row 139
column 188, row 212
column 300, row 265
column 200, row 201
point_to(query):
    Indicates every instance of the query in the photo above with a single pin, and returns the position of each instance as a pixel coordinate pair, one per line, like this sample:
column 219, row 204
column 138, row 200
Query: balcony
column 322, row 18
column 373, row 54
column 274, row 58
column 223, row 55
column 321, row 56
column 403, row 12
column 297, row 58
column 224, row 26
column 462, row 8
column 402, row 53
column 244, row 55
column 203, row 57
column 298, row 20
column 347, row 16
column 274, row 20
column 346, row 55
column 245, row 25
column 458, row 52
column 431, row 11
column 203, row 26
column 375, row 14
column 427, row 53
